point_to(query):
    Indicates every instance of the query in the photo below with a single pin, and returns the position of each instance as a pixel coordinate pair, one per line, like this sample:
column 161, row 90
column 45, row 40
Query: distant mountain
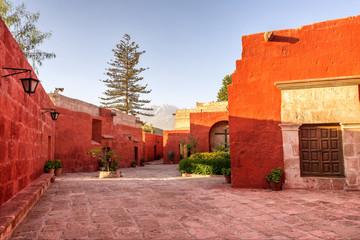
column 163, row 116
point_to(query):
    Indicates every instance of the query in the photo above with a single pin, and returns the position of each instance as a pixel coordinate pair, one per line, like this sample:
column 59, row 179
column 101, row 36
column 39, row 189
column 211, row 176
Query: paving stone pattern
column 155, row 202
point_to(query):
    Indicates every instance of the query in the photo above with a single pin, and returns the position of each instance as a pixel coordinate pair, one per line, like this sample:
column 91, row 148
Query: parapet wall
column 182, row 117
column 76, row 105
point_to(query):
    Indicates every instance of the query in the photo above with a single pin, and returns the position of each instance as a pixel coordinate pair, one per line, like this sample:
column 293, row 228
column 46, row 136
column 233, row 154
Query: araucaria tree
column 124, row 90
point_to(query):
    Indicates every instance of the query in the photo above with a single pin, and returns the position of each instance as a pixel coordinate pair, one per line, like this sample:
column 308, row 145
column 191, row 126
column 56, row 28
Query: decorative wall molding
column 318, row 83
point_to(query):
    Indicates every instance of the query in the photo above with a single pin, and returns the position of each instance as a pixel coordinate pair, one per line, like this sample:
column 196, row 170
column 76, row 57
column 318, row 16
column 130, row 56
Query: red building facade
column 153, row 146
column 296, row 78
column 82, row 126
column 27, row 135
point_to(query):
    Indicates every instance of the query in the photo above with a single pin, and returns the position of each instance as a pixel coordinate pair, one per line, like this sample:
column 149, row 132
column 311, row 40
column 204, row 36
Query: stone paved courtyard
column 155, row 202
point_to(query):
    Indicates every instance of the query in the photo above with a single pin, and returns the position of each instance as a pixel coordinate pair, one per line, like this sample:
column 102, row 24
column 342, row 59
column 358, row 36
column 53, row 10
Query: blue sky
column 190, row 44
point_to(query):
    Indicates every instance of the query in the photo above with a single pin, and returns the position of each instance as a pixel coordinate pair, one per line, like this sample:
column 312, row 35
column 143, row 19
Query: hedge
column 205, row 163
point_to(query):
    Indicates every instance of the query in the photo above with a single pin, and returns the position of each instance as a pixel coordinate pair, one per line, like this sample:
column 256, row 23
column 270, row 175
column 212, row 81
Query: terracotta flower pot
column 275, row 186
column 58, row 171
column 51, row 171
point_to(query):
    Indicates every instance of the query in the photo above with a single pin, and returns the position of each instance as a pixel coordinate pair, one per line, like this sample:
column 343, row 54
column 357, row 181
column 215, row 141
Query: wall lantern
column 158, row 142
column 54, row 115
column 29, row 84
column 130, row 138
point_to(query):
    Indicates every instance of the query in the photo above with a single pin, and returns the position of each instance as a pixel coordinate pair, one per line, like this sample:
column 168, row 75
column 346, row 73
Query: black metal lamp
column 130, row 138
column 29, row 84
column 53, row 113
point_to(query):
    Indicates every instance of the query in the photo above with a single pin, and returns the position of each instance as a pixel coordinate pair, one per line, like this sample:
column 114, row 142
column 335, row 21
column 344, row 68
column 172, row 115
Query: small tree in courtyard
column 124, row 90
column 223, row 94
column 106, row 158
column 148, row 128
column 190, row 143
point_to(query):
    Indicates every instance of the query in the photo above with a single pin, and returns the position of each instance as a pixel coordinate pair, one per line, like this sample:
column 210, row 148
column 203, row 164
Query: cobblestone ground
column 154, row 202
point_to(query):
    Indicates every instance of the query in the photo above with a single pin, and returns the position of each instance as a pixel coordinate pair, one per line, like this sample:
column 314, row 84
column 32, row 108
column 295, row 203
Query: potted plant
column 142, row 162
column 58, row 166
column 107, row 159
column 49, row 166
column 107, row 162
column 227, row 174
column 274, row 179
column 134, row 163
column 171, row 156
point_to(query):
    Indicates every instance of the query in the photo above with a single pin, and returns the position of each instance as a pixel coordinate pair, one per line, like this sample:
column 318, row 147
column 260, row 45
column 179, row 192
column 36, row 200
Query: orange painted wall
column 171, row 143
column 150, row 140
column 24, row 130
column 200, row 125
column 74, row 139
column 326, row 49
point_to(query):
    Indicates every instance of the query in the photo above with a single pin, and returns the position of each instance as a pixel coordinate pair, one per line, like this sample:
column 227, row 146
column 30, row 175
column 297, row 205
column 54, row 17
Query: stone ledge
column 15, row 209
column 199, row 175
column 109, row 174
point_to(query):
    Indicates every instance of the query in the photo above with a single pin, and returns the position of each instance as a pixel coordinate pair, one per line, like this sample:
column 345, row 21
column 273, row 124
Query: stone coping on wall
column 318, row 83
column 14, row 210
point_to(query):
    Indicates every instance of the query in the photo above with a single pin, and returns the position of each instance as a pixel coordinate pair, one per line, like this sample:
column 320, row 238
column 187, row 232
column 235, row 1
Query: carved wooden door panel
column 321, row 151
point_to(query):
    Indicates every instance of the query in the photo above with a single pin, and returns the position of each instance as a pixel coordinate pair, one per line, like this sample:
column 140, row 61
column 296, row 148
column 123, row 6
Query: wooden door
column 155, row 153
column 321, row 150
column 136, row 154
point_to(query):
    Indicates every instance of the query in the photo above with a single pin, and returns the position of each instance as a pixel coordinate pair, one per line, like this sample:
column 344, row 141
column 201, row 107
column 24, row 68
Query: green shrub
column 275, row 175
column 205, row 163
column 226, row 171
column 57, row 163
column 49, row 165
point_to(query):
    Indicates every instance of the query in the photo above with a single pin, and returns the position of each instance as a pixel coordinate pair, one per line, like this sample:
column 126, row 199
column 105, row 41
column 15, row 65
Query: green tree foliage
column 148, row 128
column 124, row 90
column 22, row 25
column 190, row 143
column 223, row 94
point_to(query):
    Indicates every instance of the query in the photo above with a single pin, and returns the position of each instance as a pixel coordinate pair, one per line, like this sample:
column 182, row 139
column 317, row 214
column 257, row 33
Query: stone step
column 14, row 210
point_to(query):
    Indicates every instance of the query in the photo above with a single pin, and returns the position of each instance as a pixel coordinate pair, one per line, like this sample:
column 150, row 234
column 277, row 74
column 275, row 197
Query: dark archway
column 219, row 134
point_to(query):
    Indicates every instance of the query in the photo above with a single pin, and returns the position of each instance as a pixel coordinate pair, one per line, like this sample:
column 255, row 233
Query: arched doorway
column 219, row 135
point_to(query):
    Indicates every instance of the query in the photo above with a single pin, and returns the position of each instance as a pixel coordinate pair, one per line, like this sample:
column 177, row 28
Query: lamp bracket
column 20, row 70
column 48, row 110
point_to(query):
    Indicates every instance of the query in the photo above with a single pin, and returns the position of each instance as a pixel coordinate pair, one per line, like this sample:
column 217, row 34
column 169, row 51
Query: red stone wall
column 125, row 147
column 24, row 130
column 150, row 140
column 74, row 138
column 200, row 126
column 172, row 140
column 327, row 49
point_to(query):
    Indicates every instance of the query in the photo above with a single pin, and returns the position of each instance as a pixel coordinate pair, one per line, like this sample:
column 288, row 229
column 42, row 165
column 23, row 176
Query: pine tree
column 124, row 90
column 222, row 94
